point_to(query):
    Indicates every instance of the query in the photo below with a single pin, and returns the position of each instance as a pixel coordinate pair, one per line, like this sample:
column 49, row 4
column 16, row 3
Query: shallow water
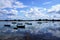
column 49, row 28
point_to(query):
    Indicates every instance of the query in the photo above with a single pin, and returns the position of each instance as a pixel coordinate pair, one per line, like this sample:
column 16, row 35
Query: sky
column 29, row 9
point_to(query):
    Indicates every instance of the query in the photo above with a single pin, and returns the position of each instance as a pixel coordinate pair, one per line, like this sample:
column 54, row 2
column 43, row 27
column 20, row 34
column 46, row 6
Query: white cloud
column 9, row 4
column 8, row 14
column 42, row 13
column 54, row 8
column 54, row 11
column 5, row 3
column 12, row 13
column 32, row 13
column 35, row 13
column 19, row 5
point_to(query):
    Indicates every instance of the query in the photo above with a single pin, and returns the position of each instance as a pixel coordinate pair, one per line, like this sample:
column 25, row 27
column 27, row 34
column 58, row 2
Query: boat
column 28, row 23
column 13, row 22
column 20, row 25
column 39, row 22
column 15, row 28
column 7, row 25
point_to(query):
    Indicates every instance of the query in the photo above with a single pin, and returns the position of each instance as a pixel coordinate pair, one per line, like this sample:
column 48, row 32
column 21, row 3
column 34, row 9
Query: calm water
column 37, row 28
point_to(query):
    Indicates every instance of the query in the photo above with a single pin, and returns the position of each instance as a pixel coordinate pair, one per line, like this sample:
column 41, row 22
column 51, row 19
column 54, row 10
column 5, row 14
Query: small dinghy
column 20, row 25
column 13, row 22
column 28, row 23
column 39, row 22
column 7, row 25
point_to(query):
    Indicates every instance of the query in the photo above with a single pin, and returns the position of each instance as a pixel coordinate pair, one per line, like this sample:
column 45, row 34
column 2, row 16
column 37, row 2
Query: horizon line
column 34, row 20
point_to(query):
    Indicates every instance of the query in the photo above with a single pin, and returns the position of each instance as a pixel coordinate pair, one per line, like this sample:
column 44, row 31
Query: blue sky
column 30, row 9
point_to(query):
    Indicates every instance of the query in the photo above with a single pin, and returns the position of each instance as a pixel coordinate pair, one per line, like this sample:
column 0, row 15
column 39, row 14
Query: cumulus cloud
column 11, row 4
column 35, row 13
column 54, row 11
column 8, row 14
column 19, row 5
column 43, row 13
column 12, row 12
column 31, row 13
column 54, row 8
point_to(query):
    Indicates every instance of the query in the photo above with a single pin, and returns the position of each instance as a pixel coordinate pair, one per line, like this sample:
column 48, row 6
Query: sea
column 37, row 30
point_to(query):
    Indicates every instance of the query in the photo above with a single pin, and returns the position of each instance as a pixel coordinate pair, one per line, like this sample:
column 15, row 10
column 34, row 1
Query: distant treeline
column 34, row 20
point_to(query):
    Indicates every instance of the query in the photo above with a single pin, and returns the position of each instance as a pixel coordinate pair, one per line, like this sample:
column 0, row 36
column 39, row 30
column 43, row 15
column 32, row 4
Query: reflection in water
column 34, row 30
